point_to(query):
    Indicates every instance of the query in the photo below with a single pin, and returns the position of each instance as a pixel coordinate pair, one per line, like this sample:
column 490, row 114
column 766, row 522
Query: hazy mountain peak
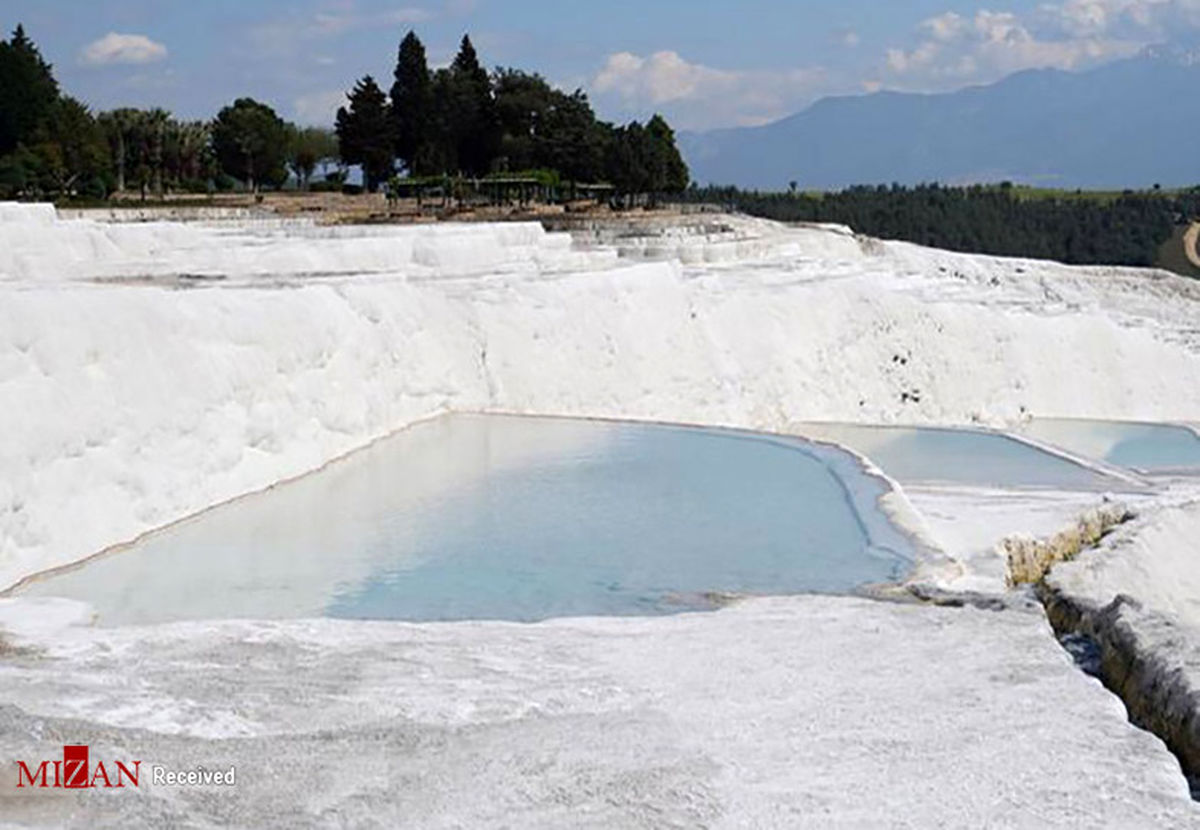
column 1179, row 54
column 1124, row 124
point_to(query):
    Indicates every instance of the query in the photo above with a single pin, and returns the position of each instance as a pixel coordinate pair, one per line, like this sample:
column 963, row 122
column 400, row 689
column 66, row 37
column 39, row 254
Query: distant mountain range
column 1131, row 123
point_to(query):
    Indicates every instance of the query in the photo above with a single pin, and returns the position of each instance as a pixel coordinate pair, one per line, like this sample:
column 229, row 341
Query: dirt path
column 1189, row 244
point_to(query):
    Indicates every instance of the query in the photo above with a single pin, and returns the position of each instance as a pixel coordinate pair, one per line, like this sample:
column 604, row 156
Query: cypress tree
column 474, row 126
column 412, row 107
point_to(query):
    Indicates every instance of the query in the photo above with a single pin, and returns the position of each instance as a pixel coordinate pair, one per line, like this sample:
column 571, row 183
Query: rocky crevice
column 1146, row 661
column 1143, row 657
column 1028, row 560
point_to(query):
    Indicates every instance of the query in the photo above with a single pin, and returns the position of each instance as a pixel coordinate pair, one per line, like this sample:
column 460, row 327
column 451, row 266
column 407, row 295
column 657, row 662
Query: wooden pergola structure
column 497, row 190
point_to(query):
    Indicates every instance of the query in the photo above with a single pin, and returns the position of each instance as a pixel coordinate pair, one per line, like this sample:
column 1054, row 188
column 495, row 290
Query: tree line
column 459, row 121
column 52, row 146
column 463, row 120
column 1127, row 229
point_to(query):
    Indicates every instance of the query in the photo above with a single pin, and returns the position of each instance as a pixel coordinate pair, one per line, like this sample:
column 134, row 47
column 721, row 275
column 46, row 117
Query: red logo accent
column 75, row 767
column 75, row 772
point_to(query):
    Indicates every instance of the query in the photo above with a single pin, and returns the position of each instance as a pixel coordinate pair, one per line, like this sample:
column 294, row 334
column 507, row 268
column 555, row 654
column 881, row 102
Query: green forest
column 463, row 119
column 434, row 127
column 453, row 123
column 1073, row 227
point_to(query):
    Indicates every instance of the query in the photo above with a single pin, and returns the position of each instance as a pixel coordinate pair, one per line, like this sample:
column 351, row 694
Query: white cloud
column 901, row 62
column 318, row 108
column 1152, row 18
column 286, row 34
column 695, row 96
column 400, row 16
column 1084, row 18
column 122, row 48
column 945, row 27
column 1000, row 27
column 155, row 81
column 946, row 51
column 662, row 77
column 953, row 49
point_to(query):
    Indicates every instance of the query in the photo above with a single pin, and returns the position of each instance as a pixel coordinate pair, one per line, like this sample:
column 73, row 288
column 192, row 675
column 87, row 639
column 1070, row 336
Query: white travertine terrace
column 149, row 371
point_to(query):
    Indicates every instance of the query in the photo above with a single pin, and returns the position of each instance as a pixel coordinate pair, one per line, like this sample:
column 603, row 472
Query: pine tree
column 473, row 127
column 27, row 90
column 366, row 133
column 412, row 107
column 669, row 173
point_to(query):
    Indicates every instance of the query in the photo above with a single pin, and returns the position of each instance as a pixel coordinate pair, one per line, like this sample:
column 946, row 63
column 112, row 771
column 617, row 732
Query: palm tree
column 119, row 126
column 194, row 141
column 155, row 124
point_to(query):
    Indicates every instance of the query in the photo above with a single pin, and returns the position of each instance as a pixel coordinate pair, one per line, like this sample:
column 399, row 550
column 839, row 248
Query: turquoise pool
column 1148, row 448
column 978, row 458
column 488, row 517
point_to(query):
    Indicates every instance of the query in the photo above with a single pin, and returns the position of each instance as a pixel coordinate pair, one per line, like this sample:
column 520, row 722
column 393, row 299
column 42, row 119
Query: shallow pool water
column 485, row 517
column 962, row 457
column 1144, row 447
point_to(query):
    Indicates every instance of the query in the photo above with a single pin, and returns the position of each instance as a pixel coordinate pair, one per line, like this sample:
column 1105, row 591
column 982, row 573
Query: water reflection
column 474, row 517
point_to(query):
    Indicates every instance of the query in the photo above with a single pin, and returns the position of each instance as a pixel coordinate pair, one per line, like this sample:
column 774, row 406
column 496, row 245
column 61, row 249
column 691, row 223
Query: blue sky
column 703, row 63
